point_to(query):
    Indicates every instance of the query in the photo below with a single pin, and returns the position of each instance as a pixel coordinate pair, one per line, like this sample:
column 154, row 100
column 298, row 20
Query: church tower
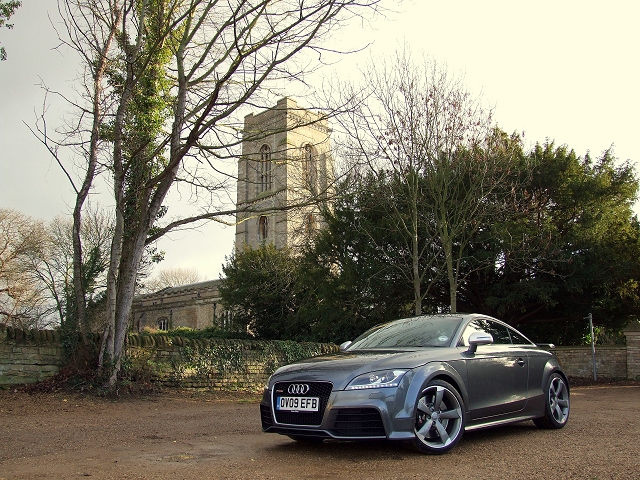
column 284, row 174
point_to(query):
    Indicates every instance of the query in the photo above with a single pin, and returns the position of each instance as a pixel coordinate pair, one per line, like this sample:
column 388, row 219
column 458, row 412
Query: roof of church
column 207, row 285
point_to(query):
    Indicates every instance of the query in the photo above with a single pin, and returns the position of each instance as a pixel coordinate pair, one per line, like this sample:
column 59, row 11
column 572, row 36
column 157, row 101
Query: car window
column 499, row 332
column 517, row 338
column 426, row 331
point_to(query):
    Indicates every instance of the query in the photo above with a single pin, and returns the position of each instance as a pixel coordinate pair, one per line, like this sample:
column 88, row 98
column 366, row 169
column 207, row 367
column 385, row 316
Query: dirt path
column 192, row 436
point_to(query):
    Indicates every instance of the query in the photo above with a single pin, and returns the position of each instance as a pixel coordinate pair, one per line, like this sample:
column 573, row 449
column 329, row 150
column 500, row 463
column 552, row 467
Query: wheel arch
column 564, row 376
column 551, row 367
column 436, row 371
column 556, row 403
column 451, row 380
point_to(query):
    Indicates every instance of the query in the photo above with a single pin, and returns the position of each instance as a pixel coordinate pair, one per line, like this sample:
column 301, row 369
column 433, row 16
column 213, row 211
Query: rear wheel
column 556, row 404
column 439, row 421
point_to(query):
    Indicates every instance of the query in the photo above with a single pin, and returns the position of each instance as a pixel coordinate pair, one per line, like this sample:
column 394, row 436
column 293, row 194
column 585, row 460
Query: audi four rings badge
column 298, row 388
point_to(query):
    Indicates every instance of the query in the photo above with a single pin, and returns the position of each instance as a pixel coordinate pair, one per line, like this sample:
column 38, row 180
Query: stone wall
column 213, row 363
column 611, row 361
column 28, row 356
column 33, row 356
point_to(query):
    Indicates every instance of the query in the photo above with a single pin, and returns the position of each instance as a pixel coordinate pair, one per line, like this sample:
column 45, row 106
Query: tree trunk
column 451, row 275
column 415, row 254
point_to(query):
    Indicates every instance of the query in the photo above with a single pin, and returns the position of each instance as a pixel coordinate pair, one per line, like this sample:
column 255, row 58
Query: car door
column 497, row 374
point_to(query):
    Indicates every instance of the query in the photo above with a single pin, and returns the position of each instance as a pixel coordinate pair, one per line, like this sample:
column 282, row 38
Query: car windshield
column 426, row 331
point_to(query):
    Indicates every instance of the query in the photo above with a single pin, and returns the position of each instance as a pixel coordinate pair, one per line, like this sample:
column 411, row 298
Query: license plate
column 298, row 404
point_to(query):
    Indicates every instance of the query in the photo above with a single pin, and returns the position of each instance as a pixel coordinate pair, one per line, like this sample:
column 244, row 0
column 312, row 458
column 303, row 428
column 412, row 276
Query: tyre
column 556, row 403
column 439, row 420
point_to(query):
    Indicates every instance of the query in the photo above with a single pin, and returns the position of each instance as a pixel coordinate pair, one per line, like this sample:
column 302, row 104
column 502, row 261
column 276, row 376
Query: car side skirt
column 534, row 409
column 488, row 423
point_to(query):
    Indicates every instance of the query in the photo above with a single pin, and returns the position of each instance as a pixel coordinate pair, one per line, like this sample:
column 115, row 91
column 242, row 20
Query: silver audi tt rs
column 423, row 379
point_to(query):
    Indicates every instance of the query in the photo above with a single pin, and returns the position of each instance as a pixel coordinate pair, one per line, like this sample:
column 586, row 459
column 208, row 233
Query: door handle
column 521, row 362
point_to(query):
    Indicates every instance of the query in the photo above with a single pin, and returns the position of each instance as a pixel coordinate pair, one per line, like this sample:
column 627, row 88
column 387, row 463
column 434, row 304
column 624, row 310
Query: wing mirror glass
column 343, row 346
column 479, row 338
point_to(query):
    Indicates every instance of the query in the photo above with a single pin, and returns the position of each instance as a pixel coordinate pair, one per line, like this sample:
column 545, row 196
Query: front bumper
column 348, row 415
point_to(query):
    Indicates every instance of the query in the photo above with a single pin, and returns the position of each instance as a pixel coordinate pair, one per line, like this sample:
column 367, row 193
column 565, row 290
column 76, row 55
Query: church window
column 310, row 166
column 311, row 224
column 163, row 323
column 265, row 180
column 263, row 228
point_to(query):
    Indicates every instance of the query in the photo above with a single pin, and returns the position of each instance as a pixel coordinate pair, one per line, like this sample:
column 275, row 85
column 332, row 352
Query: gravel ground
column 182, row 435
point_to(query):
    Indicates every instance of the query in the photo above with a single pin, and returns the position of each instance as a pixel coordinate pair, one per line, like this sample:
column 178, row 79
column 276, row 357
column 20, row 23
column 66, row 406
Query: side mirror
column 479, row 338
column 343, row 346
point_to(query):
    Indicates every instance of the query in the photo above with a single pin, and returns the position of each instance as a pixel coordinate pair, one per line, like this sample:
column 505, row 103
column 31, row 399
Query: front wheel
column 439, row 422
column 556, row 404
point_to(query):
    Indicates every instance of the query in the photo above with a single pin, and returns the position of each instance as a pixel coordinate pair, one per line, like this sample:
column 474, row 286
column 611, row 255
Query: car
column 424, row 380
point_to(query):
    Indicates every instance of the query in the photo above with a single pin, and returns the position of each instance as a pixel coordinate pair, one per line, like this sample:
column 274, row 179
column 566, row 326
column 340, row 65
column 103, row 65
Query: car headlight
column 381, row 379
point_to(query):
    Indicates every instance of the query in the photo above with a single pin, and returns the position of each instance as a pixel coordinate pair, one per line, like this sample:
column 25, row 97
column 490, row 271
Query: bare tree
column 164, row 88
column 36, row 267
column 91, row 28
column 54, row 265
column 172, row 277
column 420, row 127
column 23, row 299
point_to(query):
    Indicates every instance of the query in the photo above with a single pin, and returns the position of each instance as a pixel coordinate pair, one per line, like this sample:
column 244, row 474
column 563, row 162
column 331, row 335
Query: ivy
column 217, row 362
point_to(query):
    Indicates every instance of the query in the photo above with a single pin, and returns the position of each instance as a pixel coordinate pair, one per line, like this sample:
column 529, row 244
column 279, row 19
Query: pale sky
column 563, row 70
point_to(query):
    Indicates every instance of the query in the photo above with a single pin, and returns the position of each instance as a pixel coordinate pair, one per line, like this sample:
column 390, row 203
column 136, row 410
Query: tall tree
column 262, row 286
column 353, row 280
column 573, row 248
column 164, row 102
column 91, row 28
column 420, row 126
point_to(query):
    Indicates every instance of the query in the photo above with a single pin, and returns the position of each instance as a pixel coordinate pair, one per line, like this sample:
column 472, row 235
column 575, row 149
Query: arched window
column 311, row 225
column 265, row 181
column 163, row 323
column 263, row 228
column 226, row 320
column 310, row 166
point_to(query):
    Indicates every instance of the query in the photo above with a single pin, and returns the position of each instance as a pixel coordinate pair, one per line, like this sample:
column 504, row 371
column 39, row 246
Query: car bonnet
column 341, row 368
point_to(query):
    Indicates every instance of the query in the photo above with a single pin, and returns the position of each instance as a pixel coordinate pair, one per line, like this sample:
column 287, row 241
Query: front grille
column 357, row 422
column 265, row 416
column 322, row 390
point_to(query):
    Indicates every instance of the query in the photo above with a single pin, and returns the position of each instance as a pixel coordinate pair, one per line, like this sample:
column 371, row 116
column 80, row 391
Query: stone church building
column 284, row 172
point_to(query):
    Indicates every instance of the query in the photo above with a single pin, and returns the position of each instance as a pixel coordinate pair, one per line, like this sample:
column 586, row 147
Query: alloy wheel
column 439, row 418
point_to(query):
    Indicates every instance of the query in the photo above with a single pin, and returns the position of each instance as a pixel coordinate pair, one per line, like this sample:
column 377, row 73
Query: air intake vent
column 358, row 422
column 265, row 416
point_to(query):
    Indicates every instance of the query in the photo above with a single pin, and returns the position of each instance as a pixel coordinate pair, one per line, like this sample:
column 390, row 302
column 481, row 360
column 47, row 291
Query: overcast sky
column 563, row 70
